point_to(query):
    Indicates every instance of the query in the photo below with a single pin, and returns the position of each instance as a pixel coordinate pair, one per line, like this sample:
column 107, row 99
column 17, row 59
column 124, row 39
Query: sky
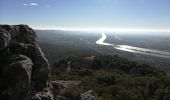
column 112, row 14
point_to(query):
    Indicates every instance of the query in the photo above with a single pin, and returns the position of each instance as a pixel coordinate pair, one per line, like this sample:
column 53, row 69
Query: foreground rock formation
column 23, row 66
column 24, row 69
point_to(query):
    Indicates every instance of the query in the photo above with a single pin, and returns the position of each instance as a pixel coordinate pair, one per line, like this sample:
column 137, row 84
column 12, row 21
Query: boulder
column 63, row 98
column 89, row 95
column 36, row 97
column 23, row 66
column 20, row 39
column 25, row 34
column 17, row 81
column 55, row 89
column 4, row 39
column 45, row 97
column 41, row 66
column 20, row 33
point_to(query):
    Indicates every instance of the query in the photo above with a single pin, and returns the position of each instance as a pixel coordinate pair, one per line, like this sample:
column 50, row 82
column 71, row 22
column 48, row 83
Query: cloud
column 30, row 4
column 33, row 4
column 25, row 4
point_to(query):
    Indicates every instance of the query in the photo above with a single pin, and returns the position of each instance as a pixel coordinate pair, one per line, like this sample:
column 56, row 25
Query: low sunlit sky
column 112, row 14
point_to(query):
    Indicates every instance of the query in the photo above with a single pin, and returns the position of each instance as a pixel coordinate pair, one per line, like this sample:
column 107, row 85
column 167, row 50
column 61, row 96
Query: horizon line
column 106, row 29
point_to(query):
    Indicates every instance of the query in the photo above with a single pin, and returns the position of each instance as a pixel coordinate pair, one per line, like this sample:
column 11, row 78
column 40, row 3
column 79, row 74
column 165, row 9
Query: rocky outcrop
column 23, row 66
column 89, row 95
column 65, row 90
column 17, row 78
column 24, row 69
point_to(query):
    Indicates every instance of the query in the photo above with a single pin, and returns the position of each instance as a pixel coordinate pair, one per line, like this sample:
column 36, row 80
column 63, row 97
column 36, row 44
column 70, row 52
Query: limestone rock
column 89, row 95
column 20, row 33
column 45, row 97
column 4, row 39
column 41, row 66
column 36, row 97
column 23, row 66
column 55, row 89
column 17, row 82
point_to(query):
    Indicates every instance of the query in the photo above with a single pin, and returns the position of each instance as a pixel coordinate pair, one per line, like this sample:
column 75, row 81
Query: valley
column 60, row 44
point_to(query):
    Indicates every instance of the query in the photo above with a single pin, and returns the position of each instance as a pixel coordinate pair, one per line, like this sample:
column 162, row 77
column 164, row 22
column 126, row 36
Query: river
column 133, row 49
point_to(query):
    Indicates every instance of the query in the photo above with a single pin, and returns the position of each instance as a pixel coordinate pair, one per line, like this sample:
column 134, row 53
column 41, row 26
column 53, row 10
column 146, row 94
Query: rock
column 4, row 39
column 41, row 66
column 45, row 97
column 69, row 89
column 23, row 66
column 18, row 78
column 41, row 97
column 36, row 97
column 24, row 34
column 89, row 95
column 20, row 39
column 55, row 89
column 20, row 33
column 24, row 69
column 63, row 98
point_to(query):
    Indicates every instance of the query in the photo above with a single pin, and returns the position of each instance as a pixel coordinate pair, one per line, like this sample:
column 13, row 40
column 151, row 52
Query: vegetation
column 58, row 45
column 115, row 78
column 112, row 77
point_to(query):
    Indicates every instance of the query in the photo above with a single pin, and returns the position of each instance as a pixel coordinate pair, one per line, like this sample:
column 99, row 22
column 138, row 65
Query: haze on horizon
column 134, row 15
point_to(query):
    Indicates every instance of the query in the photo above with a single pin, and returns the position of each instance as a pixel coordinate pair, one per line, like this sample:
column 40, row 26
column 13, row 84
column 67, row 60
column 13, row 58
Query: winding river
column 133, row 49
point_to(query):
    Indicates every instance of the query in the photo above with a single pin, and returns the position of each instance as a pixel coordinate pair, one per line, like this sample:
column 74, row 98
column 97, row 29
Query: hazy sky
column 147, row 14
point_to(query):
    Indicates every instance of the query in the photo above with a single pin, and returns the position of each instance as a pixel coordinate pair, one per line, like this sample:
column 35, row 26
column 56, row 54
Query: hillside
column 114, row 78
